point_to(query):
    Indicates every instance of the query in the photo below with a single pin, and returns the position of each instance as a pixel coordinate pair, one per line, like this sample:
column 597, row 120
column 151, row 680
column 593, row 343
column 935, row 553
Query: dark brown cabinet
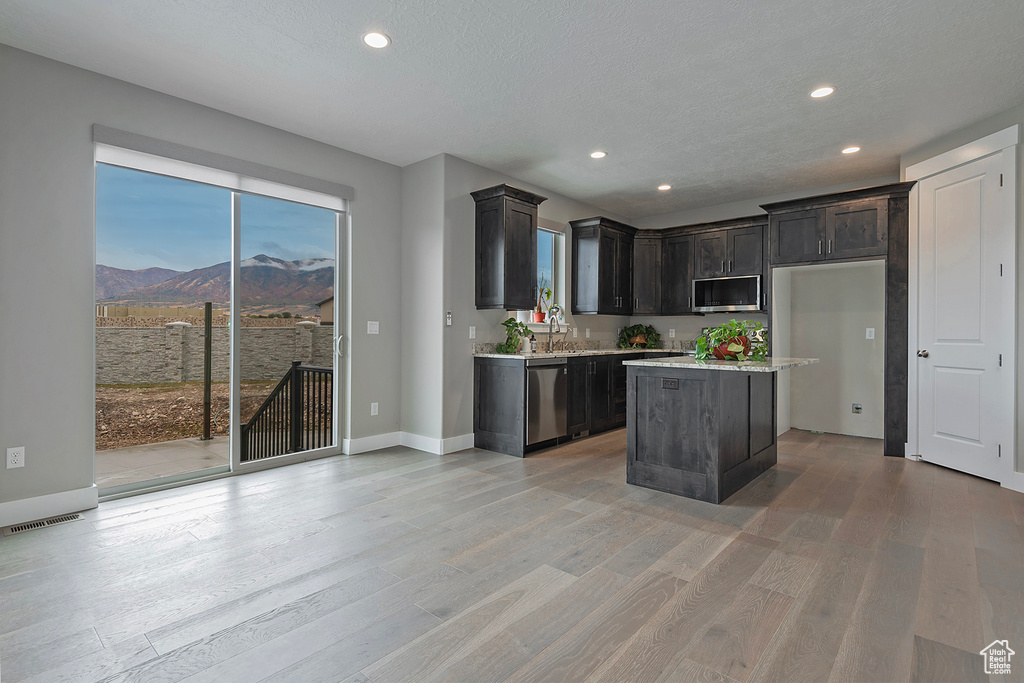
column 797, row 236
column 857, row 229
column 647, row 275
column 506, row 248
column 745, row 251
column 602, row 267
column 578, row 395
column 677, row 275
column 710, row 254
column 732, row 252
column 839, row 231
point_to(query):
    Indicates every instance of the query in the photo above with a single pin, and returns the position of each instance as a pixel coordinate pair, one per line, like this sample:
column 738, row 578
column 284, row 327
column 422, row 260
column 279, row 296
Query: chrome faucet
column 552, row 326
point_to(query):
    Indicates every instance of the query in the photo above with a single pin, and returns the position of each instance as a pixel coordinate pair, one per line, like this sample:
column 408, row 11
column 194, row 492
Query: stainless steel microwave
column 727, row 294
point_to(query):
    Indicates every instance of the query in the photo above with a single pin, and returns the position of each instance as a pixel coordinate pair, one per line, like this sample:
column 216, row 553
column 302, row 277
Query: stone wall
column 174, row 353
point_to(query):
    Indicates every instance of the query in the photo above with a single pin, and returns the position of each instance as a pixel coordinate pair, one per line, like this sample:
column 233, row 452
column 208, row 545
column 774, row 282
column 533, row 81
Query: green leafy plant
column 514, row 330
column 733, row 340
column 639, row 337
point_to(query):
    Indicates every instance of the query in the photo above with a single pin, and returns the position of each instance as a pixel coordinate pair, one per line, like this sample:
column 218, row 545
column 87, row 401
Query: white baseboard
column 457, row 443
column 421, row 443
column 371, row 443
column 51, row 505
column 1015, row 482
column 437, row 446
column 416, row 441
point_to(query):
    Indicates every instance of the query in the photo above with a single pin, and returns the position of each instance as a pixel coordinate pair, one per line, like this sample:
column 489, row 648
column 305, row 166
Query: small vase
column 538, row 316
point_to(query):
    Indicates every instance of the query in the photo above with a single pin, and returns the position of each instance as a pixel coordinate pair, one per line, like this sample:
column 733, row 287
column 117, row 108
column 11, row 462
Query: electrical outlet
column 869, row 333
column 671, row 333
column 574, row 331
column 588, row 333
column 15, row 457
column 372, row 327
column 472, row 331
column 857, row 409
column 374, row 408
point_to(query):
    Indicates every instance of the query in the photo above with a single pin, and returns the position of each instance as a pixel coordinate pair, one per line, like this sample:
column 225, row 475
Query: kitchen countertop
column 573, row 354
column 688, row 362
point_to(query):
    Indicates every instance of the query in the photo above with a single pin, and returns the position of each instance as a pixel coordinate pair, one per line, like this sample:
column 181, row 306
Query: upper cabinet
column 729, row 252
column 647, row 260
column 845, row 225
column 677, row 274
column 506, row 248
column 602, row 266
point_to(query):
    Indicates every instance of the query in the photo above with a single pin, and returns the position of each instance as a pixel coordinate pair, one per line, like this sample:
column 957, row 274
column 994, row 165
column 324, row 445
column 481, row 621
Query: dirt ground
column 132, row 415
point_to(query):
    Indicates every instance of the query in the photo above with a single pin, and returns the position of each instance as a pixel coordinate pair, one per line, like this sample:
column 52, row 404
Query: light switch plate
column 372, row 327
column 588, row 333
column 448, row 319
column 374, row 409
column 870, row 333
column 472, row 331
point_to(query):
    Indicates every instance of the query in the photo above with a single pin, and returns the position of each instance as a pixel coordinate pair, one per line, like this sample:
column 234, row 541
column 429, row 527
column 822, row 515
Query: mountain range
column 267, row 285
column 111, row 282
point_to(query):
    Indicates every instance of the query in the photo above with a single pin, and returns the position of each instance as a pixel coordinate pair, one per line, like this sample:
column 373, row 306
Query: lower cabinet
column 596, row 392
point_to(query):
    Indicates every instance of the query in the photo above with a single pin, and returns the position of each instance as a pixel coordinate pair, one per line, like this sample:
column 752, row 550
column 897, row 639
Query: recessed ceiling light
column 377, row 40
column 664, row 187
column 598, row 155
column 851, row 150
column 823, row 92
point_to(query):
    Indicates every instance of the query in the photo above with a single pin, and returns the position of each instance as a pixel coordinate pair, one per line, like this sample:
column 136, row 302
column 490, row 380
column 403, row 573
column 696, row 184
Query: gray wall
column 782, row 296
column 422, row 269
column 831, row 307
column 1010, row 117
column 47, row 252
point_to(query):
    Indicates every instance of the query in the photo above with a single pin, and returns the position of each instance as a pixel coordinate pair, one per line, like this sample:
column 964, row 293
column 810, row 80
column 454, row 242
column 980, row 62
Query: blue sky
column 145, row 220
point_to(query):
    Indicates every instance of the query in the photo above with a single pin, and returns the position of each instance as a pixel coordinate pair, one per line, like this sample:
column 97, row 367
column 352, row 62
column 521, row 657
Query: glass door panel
column 285, row 300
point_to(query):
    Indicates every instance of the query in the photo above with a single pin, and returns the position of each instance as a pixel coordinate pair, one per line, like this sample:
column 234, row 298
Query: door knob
column 922, row 354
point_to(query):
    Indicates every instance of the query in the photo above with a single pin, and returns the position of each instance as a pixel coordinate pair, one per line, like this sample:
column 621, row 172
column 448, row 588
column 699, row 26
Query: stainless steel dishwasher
column 546, row 380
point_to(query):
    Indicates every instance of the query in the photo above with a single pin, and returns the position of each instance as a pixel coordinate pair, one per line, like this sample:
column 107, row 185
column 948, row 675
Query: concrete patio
column 132, row 464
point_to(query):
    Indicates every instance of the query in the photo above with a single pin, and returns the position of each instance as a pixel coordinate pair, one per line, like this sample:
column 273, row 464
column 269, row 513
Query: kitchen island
column 701, row 429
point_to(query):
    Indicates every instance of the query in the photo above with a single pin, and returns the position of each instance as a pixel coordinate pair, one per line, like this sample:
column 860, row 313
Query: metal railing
column 296, row 416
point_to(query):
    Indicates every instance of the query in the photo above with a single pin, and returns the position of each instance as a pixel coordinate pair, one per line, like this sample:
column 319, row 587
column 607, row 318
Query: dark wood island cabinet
column 701, row 429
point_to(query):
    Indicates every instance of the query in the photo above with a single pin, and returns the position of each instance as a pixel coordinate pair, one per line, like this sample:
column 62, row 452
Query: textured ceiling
column 707, row 95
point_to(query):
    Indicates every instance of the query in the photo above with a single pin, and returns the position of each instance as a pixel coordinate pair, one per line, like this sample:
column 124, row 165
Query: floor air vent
column 29, row 526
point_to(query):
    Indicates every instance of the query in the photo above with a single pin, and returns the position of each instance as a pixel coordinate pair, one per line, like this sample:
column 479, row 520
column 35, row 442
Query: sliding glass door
column 216, row 323
column 285, row 306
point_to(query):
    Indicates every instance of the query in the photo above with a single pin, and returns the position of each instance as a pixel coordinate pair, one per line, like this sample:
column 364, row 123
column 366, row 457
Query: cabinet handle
column 819, row 246
column 723, row 266
column 636, row 303
column 830, row 246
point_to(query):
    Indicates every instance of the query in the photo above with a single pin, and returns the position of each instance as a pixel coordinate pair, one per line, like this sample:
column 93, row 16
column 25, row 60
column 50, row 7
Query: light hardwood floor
column 836, row 565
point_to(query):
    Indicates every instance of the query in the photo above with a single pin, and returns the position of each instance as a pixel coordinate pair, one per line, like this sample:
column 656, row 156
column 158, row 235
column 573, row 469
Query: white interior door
column 965, row 334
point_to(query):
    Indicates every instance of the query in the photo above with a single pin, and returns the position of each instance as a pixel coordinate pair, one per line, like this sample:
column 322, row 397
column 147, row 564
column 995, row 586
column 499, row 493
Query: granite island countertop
column 586, row 352
column 691, row 363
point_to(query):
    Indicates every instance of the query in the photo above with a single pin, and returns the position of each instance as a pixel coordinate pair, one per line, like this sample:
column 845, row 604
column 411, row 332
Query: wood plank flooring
column 836, row 565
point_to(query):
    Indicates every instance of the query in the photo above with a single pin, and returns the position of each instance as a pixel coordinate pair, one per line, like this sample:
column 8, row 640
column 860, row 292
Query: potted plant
column 639, row 337
column 544, row 295
column 514, row 331
column 732, row 341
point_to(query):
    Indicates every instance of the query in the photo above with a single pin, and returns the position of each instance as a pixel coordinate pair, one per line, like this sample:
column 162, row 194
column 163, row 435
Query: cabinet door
column 797, row 236
column 677, row 275
column 520, row 255
column 606, row 284
column 857, row 229
column 710, row 254
column 647, row 276
column 619, row 375
column 601, row 394
column 623, row 274
column 746, row 252
column 578, row 395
